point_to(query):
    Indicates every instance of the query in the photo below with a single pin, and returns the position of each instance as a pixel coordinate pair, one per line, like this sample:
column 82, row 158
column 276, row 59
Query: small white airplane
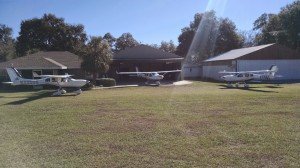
column 245, row 76
column 61, row 81
column 155, row 77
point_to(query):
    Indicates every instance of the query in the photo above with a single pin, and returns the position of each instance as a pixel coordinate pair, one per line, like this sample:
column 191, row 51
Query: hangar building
column 146, row 59
column 255, row 58
column 46, row 63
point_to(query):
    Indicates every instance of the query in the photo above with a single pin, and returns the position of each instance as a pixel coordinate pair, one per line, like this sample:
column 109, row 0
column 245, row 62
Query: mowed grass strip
column 202, row 124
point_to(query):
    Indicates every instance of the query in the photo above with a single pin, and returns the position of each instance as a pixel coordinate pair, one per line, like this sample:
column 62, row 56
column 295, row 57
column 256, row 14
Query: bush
column 106, row 82
column 88, row 86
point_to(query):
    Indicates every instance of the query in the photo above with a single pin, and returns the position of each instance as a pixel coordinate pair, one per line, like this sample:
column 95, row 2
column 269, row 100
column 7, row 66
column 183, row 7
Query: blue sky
column 150, row 21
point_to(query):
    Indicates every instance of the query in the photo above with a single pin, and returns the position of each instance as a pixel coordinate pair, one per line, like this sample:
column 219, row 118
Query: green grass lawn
column 202, row 124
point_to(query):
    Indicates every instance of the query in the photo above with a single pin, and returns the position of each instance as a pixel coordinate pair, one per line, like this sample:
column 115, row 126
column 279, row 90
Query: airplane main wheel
column 157, row 83
column 79, row 91
column 63, row 91
column 57, row 93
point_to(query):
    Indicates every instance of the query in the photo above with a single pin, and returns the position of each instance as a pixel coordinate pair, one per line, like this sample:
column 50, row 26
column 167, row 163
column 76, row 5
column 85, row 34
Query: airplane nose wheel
column 229, row 85
column 59, row 92
column 246, row 85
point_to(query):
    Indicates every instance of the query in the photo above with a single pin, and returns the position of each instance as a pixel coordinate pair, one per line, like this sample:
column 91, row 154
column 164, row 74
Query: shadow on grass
column 254, row 89
column 274, row 87
column 34, row 97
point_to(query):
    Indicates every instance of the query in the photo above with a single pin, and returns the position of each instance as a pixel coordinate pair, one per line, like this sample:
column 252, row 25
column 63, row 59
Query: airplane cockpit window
column 47, row 80
column 64, row 80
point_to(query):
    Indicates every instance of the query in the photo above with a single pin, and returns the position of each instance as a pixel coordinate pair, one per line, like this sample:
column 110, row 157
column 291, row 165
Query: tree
column 227, row 38
column 282, row 28
column 262, row 21
column 97, row 56
column 126, row 40
column 110, row 39
column 289, row 17
column 168, row 46
column 207, row 36
column 49, row 33
column 248, row 38
column 7, row 47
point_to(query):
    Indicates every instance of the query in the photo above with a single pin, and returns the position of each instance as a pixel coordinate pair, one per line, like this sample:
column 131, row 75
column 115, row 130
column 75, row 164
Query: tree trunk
column 94, row 77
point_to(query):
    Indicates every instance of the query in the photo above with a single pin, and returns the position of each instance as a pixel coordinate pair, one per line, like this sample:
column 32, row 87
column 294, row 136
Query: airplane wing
column 227, row 72
column 55, row 76
column 261, row 71
column 9, row 83
column 135, row 73
column 168, row 71
column 132, row 73
column 243, row 72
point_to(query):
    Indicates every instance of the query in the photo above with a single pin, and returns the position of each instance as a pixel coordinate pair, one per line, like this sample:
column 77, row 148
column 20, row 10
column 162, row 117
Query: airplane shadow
column 274, row 87
column 254, row 89
column 36, row 96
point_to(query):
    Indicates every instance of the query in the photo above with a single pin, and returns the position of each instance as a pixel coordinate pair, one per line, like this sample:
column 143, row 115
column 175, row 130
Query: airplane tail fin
column 35, row 75
column 273, row 70
column 13, row 74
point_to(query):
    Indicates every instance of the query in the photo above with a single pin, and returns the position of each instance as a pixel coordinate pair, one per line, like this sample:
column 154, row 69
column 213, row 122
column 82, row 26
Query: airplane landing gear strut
column 79, row 91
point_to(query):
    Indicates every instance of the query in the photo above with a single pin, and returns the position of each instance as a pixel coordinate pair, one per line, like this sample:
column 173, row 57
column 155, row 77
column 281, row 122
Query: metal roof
column 45, row 60
column 234, row 54
column 144, row 52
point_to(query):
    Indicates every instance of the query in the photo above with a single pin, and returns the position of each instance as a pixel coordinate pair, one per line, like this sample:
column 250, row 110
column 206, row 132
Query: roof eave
column 128, row 59
column 29, row 68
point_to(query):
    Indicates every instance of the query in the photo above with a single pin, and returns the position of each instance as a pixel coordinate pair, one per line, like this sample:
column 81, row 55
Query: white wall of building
column 191, row 71
column 212, row 71
column 288, row 69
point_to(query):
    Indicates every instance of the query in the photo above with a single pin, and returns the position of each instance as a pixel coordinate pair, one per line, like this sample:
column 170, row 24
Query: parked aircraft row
column 65, row 81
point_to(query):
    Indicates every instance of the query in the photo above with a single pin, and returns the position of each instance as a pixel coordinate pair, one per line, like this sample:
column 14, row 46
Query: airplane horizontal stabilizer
column 8, row 83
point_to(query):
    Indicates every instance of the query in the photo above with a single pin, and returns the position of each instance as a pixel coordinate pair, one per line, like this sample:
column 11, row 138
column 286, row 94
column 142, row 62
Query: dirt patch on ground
column 119, row 121
column 183, row 82
column 198, row 128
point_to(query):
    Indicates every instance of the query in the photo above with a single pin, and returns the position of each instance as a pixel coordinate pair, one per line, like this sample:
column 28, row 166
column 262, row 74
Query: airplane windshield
column 53, row 80
column 64, row 79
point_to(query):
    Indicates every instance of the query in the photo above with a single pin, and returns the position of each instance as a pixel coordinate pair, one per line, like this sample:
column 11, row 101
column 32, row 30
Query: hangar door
column 288, row 69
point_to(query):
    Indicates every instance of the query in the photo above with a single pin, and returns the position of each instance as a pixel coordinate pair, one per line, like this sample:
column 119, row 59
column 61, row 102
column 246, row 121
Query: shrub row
column 105, row 82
